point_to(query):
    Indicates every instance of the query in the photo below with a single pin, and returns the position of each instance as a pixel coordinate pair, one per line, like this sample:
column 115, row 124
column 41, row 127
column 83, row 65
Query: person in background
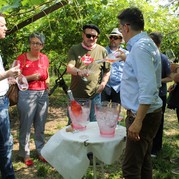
column 157, row 141
column 174, row 104
column 175, row 99
column 139, row 94
column 33, row 103
column 85, row 84
column 111, row 91
column 6, row 140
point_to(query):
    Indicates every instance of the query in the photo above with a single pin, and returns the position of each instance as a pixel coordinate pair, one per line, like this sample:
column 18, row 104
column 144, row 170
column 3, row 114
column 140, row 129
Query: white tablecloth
column 67, row 151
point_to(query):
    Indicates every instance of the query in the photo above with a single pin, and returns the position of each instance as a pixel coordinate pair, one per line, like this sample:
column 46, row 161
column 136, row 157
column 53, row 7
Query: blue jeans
column 6, row 141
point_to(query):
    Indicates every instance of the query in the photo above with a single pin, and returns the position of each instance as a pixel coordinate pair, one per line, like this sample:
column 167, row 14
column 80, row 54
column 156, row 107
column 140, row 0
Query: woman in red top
column 33, row 103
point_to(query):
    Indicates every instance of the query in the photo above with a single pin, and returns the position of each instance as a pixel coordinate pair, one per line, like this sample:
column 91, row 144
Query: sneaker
column 175, row 171
column 174, row 160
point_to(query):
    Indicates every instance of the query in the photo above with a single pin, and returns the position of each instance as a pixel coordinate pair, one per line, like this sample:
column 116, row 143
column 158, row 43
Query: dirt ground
column 56, row 120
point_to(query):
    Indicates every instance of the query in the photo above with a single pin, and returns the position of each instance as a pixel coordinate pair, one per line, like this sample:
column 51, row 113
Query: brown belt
column 131, row 114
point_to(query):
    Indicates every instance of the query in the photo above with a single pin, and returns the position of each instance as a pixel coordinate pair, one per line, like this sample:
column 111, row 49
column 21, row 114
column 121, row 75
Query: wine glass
column 90, row 69
column 15, row 63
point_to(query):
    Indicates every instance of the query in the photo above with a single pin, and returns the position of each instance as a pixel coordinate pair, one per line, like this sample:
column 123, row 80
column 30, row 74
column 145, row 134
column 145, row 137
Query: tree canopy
column 62, row 26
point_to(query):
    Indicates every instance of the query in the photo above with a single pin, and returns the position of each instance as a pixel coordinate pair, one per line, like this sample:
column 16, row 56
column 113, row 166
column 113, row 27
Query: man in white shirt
column 6, row 142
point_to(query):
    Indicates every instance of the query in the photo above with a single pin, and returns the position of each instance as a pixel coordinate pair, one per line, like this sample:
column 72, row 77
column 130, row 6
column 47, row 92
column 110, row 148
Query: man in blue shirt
column 139, row 94
column 157, row 142
column 111, row 91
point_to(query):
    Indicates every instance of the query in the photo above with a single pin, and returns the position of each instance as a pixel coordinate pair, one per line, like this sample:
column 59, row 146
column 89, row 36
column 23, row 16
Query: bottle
column 75, row 106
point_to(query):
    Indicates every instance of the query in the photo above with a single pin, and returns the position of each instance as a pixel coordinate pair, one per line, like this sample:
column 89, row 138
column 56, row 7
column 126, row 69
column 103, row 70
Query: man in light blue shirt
column 139, row 94
column 111, row 91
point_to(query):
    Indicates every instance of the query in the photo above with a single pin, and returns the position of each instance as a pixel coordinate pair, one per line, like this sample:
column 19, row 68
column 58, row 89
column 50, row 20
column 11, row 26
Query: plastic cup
column 107, row 114
column 80, row 120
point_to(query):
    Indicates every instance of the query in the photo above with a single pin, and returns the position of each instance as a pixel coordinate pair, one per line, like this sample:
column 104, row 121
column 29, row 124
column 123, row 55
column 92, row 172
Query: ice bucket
column 80, row 118
column 107, row 114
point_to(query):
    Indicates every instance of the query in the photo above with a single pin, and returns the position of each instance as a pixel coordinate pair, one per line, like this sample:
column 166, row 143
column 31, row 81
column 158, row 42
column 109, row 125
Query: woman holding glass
column 33, row 102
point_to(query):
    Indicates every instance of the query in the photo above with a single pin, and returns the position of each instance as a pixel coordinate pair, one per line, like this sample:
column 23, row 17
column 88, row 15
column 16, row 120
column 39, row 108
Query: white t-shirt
column 4, row 86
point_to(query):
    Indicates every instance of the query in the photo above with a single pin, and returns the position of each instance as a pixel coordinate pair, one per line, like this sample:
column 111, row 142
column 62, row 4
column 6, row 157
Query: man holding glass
column 6, row 140
column 88, row 78
column 111, row 91
column 139, row 94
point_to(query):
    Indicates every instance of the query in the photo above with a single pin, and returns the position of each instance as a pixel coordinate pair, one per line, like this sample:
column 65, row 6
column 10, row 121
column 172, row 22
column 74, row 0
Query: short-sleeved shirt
column 82, row 58
column 29, row 67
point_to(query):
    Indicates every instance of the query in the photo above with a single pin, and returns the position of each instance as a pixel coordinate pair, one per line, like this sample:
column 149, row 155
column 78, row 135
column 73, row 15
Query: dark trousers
column 157, row 142
column 109, row 94
column 137, row 160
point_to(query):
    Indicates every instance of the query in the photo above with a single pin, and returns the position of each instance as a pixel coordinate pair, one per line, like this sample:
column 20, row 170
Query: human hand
column 101, row 87
column 14, row 72
column 84, row 73
column 173, row 67
column 36, row 76
column 120, row 54
column 11, row 80
column 134, row 130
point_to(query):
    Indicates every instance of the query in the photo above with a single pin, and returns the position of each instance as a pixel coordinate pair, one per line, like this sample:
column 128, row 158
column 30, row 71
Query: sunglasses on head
column 115, row 37
column 89, row 36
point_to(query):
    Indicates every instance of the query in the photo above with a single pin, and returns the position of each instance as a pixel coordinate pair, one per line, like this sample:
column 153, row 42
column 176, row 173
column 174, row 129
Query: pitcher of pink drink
column 80, row 119
column 107, row 114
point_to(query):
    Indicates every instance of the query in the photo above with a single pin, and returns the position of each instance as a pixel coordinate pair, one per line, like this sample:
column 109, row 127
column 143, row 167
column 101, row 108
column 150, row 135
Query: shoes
column 28, row 162
column 42, row 159
column 174, row 160
column 175, row 171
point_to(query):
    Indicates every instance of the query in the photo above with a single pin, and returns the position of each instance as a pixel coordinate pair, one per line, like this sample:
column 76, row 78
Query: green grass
column 161, row 165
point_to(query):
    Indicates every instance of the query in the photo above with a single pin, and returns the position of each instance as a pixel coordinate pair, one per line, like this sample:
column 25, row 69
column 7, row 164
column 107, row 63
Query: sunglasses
column 115, row 37
column 89, row 36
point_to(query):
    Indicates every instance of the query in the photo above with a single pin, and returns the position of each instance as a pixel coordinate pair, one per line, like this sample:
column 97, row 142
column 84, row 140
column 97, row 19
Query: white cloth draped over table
column 67, row 151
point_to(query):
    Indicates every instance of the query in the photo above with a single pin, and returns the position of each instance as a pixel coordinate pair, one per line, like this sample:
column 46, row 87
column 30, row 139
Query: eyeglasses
column 122, row 25
column 115, row 37
column 89, row 36
column 36, row 43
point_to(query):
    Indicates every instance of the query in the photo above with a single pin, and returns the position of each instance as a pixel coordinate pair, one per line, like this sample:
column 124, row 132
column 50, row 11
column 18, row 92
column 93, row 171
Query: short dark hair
column 133, row 17
column 91, row 26
column 156, row 37
column 38, row 35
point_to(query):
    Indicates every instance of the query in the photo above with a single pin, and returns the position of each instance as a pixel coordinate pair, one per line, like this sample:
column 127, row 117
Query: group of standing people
column 135, row 83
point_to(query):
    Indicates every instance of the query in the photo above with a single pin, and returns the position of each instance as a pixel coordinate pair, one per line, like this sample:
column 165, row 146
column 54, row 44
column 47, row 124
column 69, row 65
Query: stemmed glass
column 90, row 69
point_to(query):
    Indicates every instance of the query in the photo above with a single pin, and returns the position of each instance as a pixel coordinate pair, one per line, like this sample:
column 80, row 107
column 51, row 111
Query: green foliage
column 62, row 28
